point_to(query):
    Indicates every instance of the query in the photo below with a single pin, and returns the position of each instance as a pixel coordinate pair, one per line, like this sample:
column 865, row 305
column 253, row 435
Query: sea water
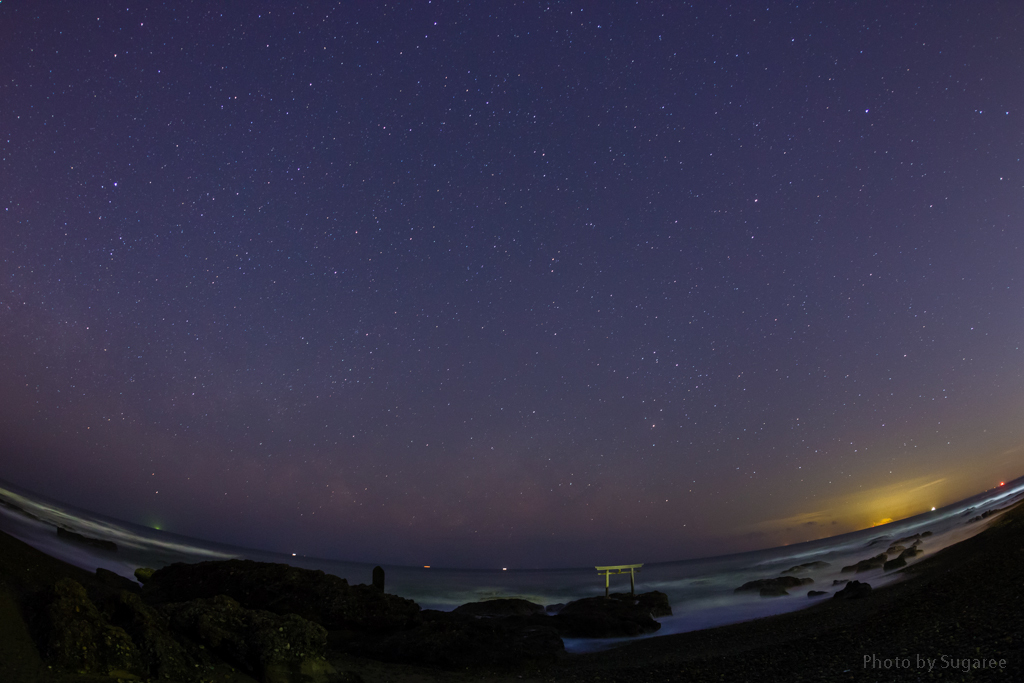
column 701, row 592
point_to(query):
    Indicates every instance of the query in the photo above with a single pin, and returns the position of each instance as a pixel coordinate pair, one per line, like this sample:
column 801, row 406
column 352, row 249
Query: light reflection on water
column 700, row 590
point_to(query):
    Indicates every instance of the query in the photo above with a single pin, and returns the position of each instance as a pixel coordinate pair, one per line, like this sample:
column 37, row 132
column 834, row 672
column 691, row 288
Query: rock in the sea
column 895, row 563
column 894, row 549
column 143, row 574
column 782, row 582
column 311, row 594
column 500, row 607
column 378, row 578
column 603, row 617
column 814, row 594
column 269, row 646
column 875, row 562
column 75, row 636
column 773, row 592
column 806, row 566
column 98, row 543
column 656, row 603
column 840, row 582
column 451, row 641
column 853, row 590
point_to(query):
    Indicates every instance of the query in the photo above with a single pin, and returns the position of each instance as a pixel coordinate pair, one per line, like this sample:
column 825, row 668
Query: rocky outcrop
column 853, row 591
column 500, row 607
column 378, row 578
column 783, row 583
column 814, row 594
column 875, row 562
column 269, row 646
column 311, row 594
column 96, row 543
column 603, row 617
column 893, row 564
column 74, row 635
column 160, row 652
column 143, row 574
column 806, row 566
column 656, row 603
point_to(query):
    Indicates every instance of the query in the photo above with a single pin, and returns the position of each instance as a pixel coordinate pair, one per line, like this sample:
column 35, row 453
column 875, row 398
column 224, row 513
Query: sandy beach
column 956, row 617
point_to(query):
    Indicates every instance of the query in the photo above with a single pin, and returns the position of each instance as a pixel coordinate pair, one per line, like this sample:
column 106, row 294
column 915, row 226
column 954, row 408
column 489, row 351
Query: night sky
column 511, row 284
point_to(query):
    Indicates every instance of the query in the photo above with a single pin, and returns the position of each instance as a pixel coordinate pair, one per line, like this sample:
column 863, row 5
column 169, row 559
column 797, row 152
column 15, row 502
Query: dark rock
column 910, row 553
column 895, row 549
column 100, row 544
column 555, row 608
column 806, row 566
column 500, row 607
column 839, row 582
column 311, row 594
column 656, row 603
column 773, row 592
column 269, row 646
column 116, row 581
column 853, row 590
column 378, row 578
column 449, row 640
column 814, row 594
column 160, row 653
column 75, row 636
column 894, row 564
column 782, row 582
column 603, row 618
column 875, row 562
column 143, row 574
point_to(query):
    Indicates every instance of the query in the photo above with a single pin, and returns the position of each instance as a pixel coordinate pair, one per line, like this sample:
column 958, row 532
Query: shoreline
column 956, row 616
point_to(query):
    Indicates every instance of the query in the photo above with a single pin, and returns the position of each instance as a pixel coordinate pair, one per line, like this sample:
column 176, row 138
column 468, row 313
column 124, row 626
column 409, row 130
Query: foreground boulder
column 161, row 653
column 279, row 588
column 75, row 636
column 268, row 646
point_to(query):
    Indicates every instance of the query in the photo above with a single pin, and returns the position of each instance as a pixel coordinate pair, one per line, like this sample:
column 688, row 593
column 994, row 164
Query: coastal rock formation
column 782, row 583
column 311, row 594
column 896, row 563
column 97, row 543
column 852, row 591
column 500, row 607
column 655, row 602
column 74, row 635
column 143, row 574
column 875, row 562
column 806, row 566
column 266, row 645
column 161, row 655
column 814, row 594
column 603, row 617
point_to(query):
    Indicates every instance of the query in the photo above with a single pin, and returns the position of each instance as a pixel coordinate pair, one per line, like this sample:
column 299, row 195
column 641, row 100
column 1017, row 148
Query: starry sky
column 525, row 284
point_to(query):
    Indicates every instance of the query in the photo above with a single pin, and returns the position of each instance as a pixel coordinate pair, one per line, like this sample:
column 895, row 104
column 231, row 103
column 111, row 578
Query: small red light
column 1002, row 483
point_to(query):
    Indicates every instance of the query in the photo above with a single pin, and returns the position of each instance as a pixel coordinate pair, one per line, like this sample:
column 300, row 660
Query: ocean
column 701, row 591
